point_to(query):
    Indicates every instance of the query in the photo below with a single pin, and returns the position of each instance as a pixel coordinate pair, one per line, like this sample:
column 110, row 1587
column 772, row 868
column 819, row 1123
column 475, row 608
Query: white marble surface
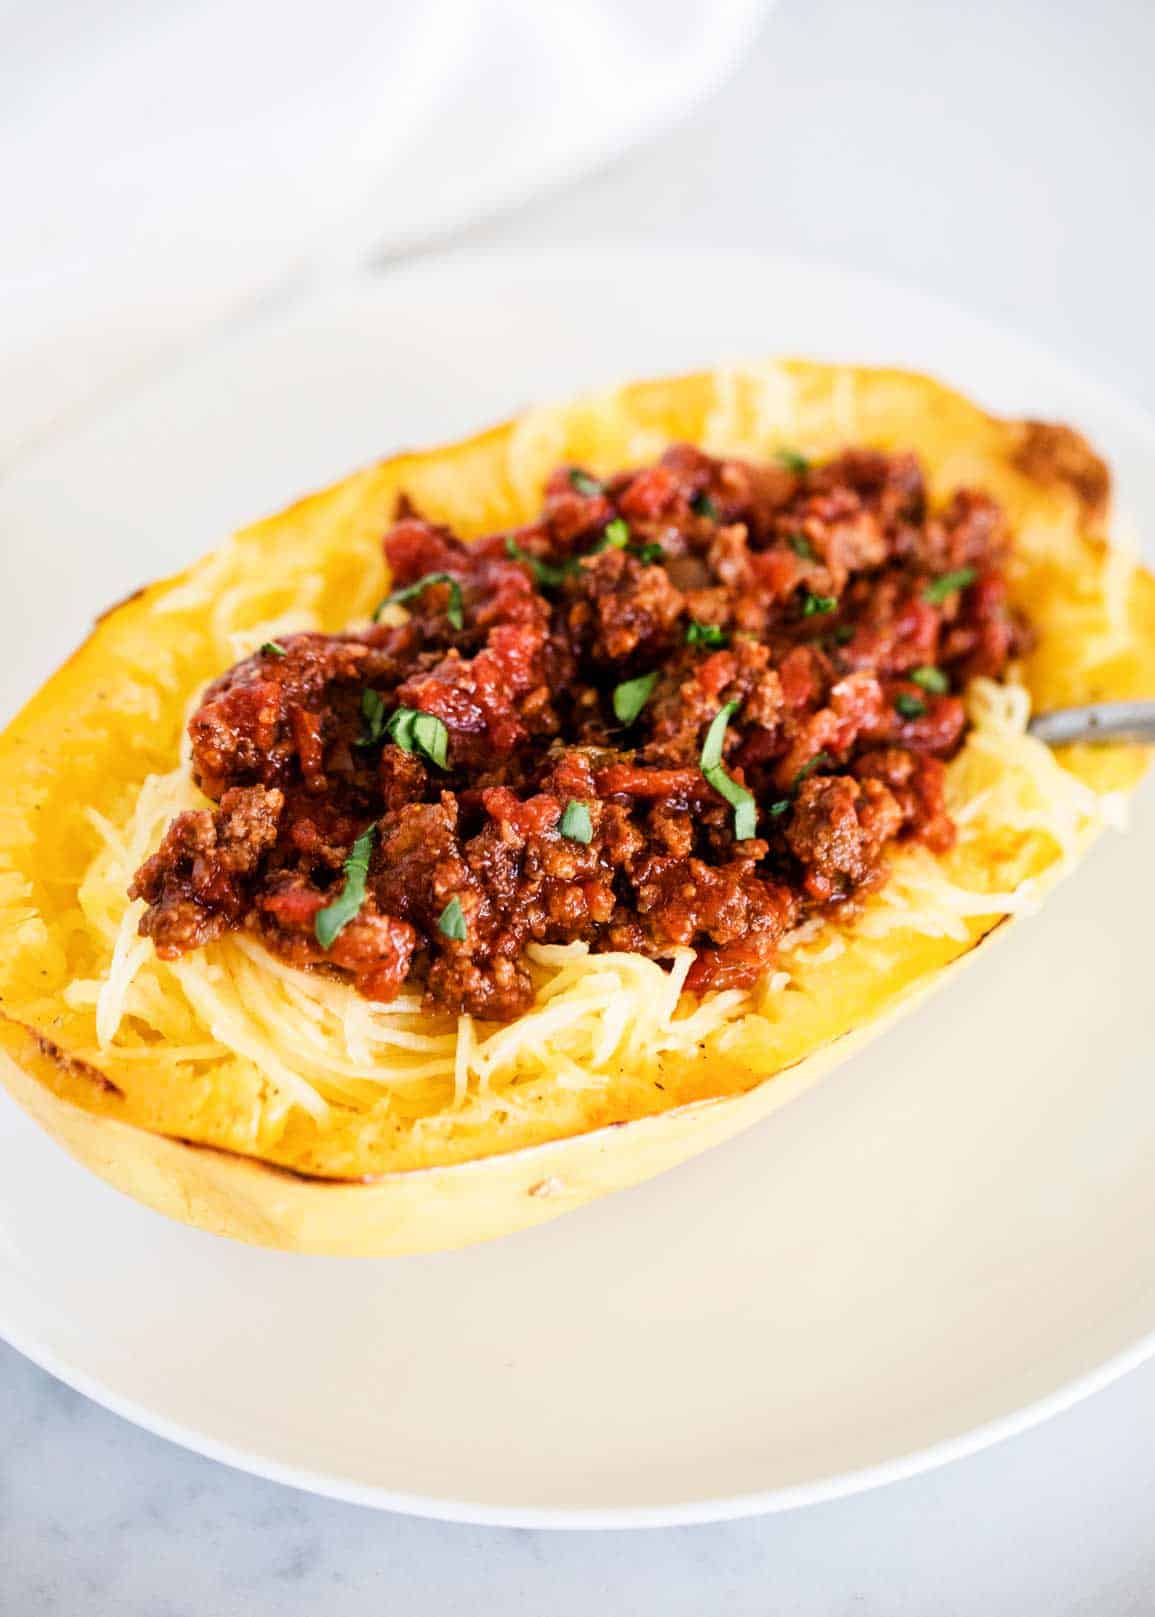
column 97, row 1517
column 1001, row 155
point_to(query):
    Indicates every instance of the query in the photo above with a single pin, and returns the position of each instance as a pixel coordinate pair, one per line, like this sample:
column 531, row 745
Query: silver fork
column 1099, row 721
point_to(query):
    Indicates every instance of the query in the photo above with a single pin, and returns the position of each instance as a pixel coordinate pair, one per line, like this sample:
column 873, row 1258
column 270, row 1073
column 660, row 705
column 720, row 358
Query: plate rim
column 692, row 1513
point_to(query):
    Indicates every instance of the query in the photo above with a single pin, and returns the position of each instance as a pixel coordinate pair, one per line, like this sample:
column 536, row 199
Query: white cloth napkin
column 162, row 161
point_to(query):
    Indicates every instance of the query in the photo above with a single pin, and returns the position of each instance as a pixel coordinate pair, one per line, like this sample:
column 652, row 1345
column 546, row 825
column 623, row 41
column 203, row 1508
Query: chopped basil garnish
column 742, row 802
column 801, row 546
column 911, row 707
column 453, row 611
column 414, row 731
column 616, row 536
column 938, row 589
column 373, row 712
column 575, row 822
column 583, row 483
column 931, row 679
column 703, row 506
column 631, row 696
column 819, row 761
column 400, row 728
column 651, row 553
column 792, row 460
column 705, row 634
column 432, row 739
column 274, row 648
column 711, row 756
column 783, row 804
column 813, row 604
column 843, row 635
column 710, row 763
column 545, row 572
column 451, row 921
column 335, row 917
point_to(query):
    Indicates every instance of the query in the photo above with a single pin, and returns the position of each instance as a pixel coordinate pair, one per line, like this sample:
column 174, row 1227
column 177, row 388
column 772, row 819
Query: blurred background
column 167, row 166
column 175, row 172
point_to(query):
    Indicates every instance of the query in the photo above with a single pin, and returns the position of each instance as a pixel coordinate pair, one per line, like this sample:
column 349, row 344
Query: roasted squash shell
column 212, row 1142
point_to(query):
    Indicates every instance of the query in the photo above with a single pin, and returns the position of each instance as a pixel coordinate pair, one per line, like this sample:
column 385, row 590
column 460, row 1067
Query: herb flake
column 274, row 648
column 815, row 605
column 335, row 917
column 710, row 763
column 940, row 588
column 583, row 483
column 705, row 634
column 820, row 760
column 373, row 712
column 783, row 805
column 801, row 546
column 792, row 460
column 910, row 707
column 544, row 572
column 451, row 921
column 616, row 536
column 575, row 822
column 930, row 679
column 703, row 506
column 454, row 611
column 631, row 696
column 711, row 755
column 414, row 731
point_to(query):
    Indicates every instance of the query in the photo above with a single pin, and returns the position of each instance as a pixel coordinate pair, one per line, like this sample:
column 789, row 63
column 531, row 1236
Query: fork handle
column 1099, row 721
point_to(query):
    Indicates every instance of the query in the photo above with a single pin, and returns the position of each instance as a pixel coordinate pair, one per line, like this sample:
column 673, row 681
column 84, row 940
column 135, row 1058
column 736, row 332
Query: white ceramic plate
column 950, row 1238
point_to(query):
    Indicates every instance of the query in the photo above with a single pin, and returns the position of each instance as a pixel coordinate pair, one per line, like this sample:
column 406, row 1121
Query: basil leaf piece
column 583, row 483
column 792, row 460
column 616, row 536
column 938, row 589
column 631, row 696
column 911, row 707
column 274, row 648
column 651, row 553
column 451, row 921
column 819, row 761
column 373, row 712
column 576, row 823
column 813, row 604
column 742, row 802
column 454, row 611
column 711, row 755
column 400, row 727
column 335, row 917
column 801, row 546
column 414, row 731
column 545, row 572
column 931, row 679
column 703, row 506
column 705, row 634
column 432, row 739
column 783, row 805
column 710, row 763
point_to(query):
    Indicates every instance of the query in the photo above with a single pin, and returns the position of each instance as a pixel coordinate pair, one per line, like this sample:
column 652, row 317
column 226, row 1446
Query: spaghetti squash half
column 251, row 1044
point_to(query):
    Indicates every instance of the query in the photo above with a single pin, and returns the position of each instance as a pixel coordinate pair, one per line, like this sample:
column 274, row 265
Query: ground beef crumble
column 834, row 613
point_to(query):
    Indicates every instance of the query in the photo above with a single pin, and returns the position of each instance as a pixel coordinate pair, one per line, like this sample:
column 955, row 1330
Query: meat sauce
column 691, row 704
